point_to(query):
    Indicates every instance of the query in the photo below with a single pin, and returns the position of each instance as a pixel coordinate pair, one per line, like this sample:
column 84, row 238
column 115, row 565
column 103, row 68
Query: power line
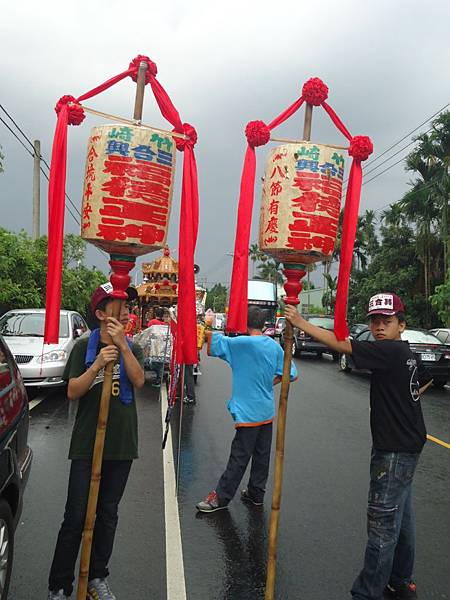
column 370, row 162
column 16, row 136
column 77, row 221
column 408, row 134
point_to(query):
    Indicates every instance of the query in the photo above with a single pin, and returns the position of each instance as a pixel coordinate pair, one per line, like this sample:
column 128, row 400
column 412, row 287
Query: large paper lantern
column 128, row 185
column 301, row 201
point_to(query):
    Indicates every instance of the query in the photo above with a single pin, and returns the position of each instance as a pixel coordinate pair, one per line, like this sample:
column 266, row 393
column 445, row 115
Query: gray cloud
column 386, row 64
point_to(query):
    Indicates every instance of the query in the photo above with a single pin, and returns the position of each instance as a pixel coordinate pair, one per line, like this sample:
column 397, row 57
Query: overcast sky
column 386, row 63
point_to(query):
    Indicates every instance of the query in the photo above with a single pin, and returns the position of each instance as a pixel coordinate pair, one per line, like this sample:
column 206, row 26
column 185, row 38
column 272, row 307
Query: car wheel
column 343, row 364
column 6, row 547
column 439, row 384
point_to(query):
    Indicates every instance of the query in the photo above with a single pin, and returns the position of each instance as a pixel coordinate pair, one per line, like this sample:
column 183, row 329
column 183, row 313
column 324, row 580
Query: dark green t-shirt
column 121, row 441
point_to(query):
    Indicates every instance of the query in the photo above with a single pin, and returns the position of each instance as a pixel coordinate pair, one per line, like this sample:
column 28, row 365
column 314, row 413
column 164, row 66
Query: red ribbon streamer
column 238, row 309
column 237, row 314
column 187, row 337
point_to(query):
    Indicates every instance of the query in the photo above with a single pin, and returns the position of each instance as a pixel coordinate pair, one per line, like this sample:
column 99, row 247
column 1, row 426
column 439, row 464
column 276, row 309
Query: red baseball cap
column 105, row 291
column 385, row 304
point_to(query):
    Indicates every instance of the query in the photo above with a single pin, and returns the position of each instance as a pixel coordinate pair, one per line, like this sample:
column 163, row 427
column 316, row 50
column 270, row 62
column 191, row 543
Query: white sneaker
column 98, row 589
column 59, row 595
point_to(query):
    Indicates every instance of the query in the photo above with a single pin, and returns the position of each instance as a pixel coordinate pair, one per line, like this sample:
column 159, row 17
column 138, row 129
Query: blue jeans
column 391, row 530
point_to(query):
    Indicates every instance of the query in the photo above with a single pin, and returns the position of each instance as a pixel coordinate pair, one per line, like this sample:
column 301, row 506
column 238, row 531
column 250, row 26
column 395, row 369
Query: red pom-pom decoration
column 151, row 67
column 361, row 147
column 257, row 133
column 188, row 130
column 76, row 112
column 314, row 91
column 174, row 287
column 157, row 286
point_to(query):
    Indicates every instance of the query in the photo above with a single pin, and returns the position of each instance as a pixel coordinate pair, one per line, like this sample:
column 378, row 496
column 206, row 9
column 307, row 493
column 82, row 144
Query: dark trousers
column 391, row 529
column 248, row 443
column 114, row 478
column 189, row 381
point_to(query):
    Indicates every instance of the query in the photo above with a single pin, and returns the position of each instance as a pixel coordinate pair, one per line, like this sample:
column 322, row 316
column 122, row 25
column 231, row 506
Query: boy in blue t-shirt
column 257, row 365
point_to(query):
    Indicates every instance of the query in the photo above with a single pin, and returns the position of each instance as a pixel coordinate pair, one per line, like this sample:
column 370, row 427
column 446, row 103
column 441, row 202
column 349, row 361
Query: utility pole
column 35, row 233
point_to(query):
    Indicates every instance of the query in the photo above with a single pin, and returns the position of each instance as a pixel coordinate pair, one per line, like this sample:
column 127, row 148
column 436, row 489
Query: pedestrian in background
column 398, row 434
column 256, row 362
column 85, row 373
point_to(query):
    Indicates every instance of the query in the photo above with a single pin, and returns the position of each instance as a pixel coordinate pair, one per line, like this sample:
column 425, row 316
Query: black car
column 302, row 342
column 15, row 458
column 434, row 355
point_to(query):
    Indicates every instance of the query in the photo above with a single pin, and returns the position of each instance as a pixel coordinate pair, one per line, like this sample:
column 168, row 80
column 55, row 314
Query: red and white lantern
column 301, row 202
column 128, row 184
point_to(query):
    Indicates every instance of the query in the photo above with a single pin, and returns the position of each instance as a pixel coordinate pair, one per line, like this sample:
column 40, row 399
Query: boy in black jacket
column 398, row 433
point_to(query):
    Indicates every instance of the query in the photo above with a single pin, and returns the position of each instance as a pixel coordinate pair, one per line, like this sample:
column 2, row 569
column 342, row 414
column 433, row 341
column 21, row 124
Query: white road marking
column 176, row 585
column 33, row 403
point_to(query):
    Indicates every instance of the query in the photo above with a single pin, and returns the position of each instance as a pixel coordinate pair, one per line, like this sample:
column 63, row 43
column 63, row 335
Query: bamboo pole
column 293, row 287
column 97, row 457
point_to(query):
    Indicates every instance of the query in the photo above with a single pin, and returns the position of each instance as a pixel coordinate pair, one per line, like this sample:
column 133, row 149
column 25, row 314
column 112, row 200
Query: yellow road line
column 438, row 441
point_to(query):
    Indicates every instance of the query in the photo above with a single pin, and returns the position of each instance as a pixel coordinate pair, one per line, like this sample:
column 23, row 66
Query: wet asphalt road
column 322, row 529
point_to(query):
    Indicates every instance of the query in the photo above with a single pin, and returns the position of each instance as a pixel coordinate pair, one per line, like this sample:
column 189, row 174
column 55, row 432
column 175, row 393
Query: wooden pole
column 293, row 286
column 120, row 280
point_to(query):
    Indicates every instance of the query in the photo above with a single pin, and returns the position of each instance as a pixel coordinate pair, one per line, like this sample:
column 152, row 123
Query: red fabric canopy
column 315, row 92
column 70, row 113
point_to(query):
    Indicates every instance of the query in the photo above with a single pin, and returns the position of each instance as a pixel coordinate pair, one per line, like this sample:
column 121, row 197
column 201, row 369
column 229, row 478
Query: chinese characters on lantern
column 301, row 200
column 128, row 187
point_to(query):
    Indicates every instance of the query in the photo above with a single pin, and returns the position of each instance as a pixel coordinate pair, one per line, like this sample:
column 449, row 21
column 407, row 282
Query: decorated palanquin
column 159, row 286
column 301, row 201
column 128, row 185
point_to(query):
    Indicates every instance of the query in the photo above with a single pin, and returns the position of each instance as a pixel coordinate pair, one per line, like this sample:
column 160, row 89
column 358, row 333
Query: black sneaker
column 210, row 503
column 407, row 591
column 188, row 400
column 246, row 497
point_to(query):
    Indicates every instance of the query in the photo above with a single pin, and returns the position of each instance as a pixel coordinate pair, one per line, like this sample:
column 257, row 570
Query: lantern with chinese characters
column 128, row 185
column 301, row 201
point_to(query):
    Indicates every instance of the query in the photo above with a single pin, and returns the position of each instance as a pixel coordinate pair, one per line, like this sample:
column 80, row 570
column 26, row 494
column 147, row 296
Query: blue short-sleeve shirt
column 255, row 361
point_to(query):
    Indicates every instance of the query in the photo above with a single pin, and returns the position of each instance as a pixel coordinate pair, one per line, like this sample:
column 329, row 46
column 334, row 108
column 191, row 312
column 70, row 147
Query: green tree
column 23, row 268
column 217, row 297
column 440, row 300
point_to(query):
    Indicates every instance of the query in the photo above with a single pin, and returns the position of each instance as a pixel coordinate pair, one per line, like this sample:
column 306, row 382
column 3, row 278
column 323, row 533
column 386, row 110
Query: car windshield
column 324, row 322
column 25, row 324
column 416, row 336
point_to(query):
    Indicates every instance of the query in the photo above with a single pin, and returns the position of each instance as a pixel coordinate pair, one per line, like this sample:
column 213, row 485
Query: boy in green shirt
column 84, row 373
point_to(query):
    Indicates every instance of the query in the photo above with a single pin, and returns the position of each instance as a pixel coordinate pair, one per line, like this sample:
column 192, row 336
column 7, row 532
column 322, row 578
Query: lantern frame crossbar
column 287, row 141
column 134, row 122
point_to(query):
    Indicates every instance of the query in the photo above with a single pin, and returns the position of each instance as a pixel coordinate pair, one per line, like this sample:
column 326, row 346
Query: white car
column 23, row 332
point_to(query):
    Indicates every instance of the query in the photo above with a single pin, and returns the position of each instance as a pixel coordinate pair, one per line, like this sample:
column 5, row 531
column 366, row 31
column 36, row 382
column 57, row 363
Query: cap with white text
column 385, row 304
column 105, row 291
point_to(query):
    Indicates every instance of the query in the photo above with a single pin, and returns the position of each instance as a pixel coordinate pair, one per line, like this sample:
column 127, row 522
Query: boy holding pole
column 84, row 374
column 257, row 364
column 398, row 433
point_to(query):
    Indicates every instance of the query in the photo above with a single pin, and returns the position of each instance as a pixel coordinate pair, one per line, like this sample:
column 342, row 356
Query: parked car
column 15, row 459
column 269, row 329
column 302, row 342
column 442, row 334
column 357, row 328
column 435, row 356
column 23, row 331
column 279, row 326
